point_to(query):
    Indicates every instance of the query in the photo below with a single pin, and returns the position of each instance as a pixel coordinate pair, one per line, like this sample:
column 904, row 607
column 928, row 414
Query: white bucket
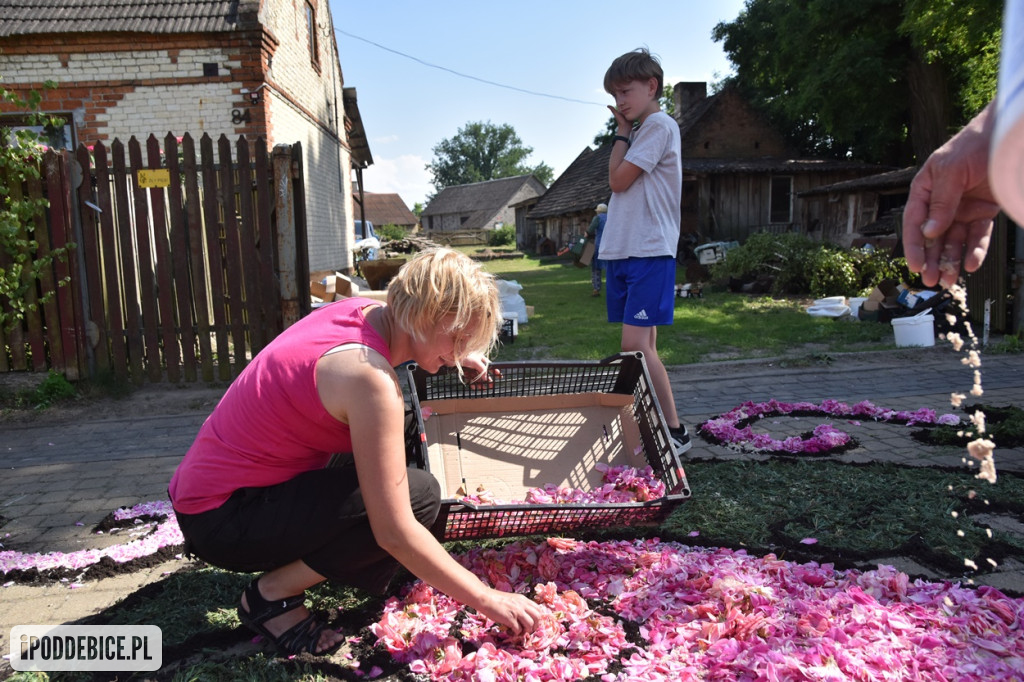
column 918, row 330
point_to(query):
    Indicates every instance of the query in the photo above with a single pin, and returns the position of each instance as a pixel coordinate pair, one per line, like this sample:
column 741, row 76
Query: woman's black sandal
column 301, row 637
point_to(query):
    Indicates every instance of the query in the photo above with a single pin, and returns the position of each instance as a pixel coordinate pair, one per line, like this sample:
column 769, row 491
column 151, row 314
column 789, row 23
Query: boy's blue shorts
column 641, row 291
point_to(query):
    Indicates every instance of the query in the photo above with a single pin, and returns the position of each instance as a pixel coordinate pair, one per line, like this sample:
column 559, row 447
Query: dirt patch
column 162, row 399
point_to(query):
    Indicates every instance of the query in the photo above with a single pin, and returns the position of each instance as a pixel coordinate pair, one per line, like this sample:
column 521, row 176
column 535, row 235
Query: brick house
column 234, row 67
column 479, row 205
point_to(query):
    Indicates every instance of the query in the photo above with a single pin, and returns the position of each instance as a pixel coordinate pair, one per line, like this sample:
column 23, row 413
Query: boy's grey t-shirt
column 643, row 221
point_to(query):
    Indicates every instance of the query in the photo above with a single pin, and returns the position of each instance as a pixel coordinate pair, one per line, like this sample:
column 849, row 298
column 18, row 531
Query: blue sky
column 556, row 48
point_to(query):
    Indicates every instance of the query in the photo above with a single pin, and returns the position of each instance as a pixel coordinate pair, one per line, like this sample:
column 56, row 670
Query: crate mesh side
column 482, row 523
column 523, row 379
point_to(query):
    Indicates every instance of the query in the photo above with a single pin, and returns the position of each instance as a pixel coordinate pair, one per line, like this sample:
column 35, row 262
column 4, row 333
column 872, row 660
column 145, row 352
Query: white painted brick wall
column 328, row 187
column 194, row 109
column 83, row 68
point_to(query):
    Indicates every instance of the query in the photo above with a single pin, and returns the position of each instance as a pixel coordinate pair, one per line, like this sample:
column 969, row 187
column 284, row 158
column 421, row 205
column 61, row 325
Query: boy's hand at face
column 625, row 126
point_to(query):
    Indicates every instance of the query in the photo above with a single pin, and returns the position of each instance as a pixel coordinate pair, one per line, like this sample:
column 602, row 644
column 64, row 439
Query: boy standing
column 639, row 243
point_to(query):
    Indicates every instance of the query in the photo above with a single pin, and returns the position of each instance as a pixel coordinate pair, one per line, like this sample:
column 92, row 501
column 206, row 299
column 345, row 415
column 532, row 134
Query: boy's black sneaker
column 680, row 439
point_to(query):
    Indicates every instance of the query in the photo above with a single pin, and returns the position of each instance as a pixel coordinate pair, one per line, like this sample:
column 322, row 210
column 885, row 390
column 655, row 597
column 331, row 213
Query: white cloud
column 405, row 175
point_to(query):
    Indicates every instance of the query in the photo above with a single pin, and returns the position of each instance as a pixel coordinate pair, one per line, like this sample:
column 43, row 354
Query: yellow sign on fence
column 155, row 177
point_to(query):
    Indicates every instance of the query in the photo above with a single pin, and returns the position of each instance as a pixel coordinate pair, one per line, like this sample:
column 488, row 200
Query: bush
column 391, row 232
column 782, row 258
column 833, row 273
column 875, row 265
column 795, row 264
column 502, row 236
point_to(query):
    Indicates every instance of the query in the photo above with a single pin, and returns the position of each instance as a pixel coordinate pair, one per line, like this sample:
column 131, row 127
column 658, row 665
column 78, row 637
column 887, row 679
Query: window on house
column 57, row 134
column 314, row 47
column 780, row 209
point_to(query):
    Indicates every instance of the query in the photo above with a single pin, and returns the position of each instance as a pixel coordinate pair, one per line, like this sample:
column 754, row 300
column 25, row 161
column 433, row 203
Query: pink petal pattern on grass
column 165, row 533
column 824, row 438
column 704, row 614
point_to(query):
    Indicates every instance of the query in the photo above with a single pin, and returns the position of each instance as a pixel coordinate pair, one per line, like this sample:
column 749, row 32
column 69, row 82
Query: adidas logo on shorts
column 642, row 315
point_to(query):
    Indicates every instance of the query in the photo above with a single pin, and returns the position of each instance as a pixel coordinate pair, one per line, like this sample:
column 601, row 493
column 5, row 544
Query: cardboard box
column 512, row 444
column 588, row 253
column 344, row 287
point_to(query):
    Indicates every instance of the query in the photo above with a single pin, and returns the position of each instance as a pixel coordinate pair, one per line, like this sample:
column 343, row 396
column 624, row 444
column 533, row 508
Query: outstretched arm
column 948, row 218
column 359, row 387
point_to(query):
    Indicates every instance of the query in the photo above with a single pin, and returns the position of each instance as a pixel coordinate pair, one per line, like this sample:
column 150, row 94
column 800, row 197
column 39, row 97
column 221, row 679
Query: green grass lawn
column 569, row 324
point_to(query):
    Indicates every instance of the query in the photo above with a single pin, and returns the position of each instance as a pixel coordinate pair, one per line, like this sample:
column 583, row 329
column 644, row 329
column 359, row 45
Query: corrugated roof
column 30, row 17
column 582, row 186
column 478, row 201
column 387, row 209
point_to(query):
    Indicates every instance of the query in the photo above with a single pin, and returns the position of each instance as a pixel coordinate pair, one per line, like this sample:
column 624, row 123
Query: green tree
column 668, row 105
column 21, row 152
column 878, row 80
column 483, row 151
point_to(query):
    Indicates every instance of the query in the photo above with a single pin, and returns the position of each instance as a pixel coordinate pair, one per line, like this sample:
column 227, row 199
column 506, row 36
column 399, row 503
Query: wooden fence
column 187, row 261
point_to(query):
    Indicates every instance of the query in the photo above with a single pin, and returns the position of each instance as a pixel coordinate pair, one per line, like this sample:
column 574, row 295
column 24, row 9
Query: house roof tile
column 387, row 209
column 478, row 201
column 582, row 186
column 30, row 17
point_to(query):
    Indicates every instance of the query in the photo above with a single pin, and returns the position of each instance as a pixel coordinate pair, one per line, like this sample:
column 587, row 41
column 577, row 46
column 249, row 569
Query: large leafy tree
column 879, row 80
column 483, row 151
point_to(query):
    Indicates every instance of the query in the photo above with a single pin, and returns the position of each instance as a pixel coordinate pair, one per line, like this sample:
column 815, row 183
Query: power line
column 465, row 75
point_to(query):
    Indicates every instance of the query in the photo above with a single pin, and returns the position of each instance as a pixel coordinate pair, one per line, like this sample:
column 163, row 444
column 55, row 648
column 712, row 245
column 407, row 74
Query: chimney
column 688, row 95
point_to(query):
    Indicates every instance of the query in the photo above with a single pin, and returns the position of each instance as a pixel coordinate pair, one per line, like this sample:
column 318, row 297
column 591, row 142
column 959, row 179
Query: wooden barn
column 566, row 209
column 739, row 176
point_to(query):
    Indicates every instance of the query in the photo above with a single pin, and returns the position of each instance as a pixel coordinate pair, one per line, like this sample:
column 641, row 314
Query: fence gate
column 186, row 261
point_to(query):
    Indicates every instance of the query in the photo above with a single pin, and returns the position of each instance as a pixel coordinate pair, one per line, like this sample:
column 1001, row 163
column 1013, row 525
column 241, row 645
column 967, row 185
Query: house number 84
column 240, row 116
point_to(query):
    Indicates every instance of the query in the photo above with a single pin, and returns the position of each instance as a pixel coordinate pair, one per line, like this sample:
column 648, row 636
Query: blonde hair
column 441, row 282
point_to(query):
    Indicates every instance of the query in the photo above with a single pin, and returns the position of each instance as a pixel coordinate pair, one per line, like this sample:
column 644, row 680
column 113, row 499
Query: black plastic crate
column 624, row 374
column 507, row 334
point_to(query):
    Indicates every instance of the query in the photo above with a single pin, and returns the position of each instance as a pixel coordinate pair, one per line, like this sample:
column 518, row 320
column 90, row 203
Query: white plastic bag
column 512, row 303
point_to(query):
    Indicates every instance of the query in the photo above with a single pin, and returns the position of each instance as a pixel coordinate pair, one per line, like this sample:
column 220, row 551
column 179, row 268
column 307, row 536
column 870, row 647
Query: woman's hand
column 517, row 612
column 478, row 371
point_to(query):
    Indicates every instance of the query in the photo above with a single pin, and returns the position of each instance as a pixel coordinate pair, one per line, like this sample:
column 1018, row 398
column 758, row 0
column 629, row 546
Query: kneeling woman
column 254, row 492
